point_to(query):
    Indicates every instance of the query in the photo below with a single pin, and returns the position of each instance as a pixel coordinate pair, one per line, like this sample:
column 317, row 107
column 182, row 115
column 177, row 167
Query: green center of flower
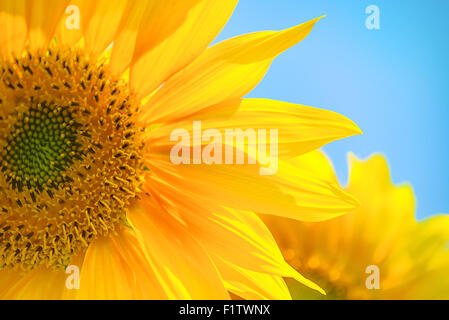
column 40, row 147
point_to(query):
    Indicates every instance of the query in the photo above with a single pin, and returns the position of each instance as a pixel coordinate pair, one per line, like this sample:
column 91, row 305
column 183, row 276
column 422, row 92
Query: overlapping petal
column 99, row 30
column 126, row 36
column 226, row 71
column 40, row 283
column 221, row 233
column 182, row 266
column 14, row 27
column 300, row 128
column 74, row 21
column 43, row 17
column 292, row 192
column 172, row 35
column 115, row 267
column 252, row 285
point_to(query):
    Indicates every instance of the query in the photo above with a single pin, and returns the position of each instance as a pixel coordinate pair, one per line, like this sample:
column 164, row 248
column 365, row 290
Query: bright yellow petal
column 387, row 210
column 115, row 268
column 300, row 128
column 433, row 234
column 292, row 192
column 428, row 251
column 71, row 35
column 13, row 27
column 223, row 230
column 100, row 29
column 317, row 199
column 126, row 37
column 225, row 71
column 319, row 164
column 183, row 268
column 39, row 284
column 43, row 17
column 220, row 233
column 173, row 34
column 374, row 172
column 251, row 285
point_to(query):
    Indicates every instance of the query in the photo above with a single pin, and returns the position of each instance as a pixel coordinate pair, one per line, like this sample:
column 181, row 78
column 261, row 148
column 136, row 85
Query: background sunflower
column 379, row 239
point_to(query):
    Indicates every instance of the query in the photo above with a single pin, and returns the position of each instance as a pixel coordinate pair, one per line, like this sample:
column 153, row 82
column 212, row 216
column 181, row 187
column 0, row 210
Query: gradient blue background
column 392, row 82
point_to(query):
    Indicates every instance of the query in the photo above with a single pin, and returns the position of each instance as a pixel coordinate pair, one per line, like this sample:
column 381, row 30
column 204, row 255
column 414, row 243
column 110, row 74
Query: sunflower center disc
column 70, row 156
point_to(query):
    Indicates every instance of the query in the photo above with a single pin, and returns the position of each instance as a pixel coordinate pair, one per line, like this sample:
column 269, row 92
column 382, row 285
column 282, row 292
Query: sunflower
column 378, row 251
column 89, row 94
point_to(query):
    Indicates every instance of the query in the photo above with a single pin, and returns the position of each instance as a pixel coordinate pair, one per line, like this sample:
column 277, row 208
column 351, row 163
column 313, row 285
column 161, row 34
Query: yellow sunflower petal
column 13, row 27
column 292, row 192
column 374, row 172
column 251, row 285
column 225, row 71
column 300, row 128
column 172, row 35
column 126, row 37
column 183, row 268
column 67, row 32
column 434, row 235
column 222, row 232
column 370, row 182
column 430, row 256
column 100, row 29
column 115, row 268
column 318, row 163
column 38, row 284
column 43, row 17
column 319, row 199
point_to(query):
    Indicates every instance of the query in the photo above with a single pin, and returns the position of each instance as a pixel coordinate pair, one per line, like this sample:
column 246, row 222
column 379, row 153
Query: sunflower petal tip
column 290, row 272
column 350, row 200
column 317, row 19
column 351, row 157
column 318, row 289
column 358, row 130
column 354, row 128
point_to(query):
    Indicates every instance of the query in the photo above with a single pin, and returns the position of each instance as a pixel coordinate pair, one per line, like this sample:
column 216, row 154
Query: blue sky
column 393, row 82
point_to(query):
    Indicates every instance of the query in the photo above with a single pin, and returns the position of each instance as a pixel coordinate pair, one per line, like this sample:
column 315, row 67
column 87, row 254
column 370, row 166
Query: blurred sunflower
column 380, row 239
column 85, row 120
